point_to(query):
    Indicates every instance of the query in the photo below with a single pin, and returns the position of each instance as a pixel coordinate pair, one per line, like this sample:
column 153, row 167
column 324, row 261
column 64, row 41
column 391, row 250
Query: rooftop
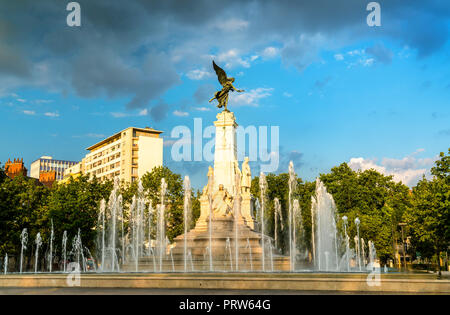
column 146, row 129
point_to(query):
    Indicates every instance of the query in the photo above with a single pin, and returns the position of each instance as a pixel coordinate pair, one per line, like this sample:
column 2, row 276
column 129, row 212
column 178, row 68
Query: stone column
column 225, row 153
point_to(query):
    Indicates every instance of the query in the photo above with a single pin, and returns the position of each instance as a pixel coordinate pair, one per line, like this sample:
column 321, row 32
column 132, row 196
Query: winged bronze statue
column 227, row 84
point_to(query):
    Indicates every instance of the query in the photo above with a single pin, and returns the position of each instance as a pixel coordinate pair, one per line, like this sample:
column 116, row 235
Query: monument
column 226, row 231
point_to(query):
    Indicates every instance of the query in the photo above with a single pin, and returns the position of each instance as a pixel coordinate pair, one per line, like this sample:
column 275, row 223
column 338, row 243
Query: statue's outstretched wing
column 221, row 75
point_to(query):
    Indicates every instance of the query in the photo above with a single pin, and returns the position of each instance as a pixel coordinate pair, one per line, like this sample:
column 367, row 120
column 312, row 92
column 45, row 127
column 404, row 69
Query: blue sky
column 339, row 90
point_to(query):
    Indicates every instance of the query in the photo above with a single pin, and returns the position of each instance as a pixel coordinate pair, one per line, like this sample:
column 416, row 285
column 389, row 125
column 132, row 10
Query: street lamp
column 404, row 244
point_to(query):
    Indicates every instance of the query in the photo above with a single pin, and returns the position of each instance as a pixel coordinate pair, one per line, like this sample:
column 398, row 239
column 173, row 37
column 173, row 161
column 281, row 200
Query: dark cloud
column 135, row 48
column 159, row 111
column 203, row 93
column 320, row 84
column 380, row 53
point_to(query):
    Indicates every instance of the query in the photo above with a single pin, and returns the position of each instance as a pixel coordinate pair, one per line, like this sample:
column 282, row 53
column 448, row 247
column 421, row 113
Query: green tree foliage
column 22, row 205
column 376, row 199
column 74, row 206
column 278, row 188
column 429, row 216
column 174, row 197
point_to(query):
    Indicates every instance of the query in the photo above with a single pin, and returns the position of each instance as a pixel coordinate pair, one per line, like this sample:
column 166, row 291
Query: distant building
column 128, row 154
column 74, row 171
column 47, row 164
column 47, row 178
column 14, row 168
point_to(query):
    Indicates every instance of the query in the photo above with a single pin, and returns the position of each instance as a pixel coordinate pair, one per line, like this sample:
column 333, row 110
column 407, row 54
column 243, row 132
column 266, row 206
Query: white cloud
column 250, row 98
column 29, row 112
column 338, row 57
column 270, row 52
column 51, row 114
column 143, row 112
column 198, row 74
column 231, row 59
column 119, row 114
column 202, row 109
column 408, row 170
column 21, row 100
column 180, row 113
column 286, row 94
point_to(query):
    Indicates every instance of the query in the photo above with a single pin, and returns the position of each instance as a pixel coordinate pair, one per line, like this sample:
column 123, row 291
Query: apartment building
column 128, row 154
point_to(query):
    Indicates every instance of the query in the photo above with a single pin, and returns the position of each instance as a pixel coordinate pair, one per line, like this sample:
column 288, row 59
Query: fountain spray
column 357, row 222
column 292, row 187
column 186, row 215
column 23, row 241
column 263, row 189
column 64, row 249
column 38, row 244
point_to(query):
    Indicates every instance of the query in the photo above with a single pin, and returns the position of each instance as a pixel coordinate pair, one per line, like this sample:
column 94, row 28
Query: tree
column 174, row 197
column 375, row 199
column 278, row 187
column 429, row 216
column 74, row 206
column 22, row 205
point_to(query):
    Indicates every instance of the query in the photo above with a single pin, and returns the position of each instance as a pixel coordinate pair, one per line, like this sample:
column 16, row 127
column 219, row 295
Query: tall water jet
column 292, row 186
column 77, row 250
column 101, row 235
column 137, row 224
column 263, row 189
column 237, row 214
column 356, row 241
column 347, row 245
column 161, row 228
column 23, row 242
column 278, row 217
column 64, row 249
column 295, row 215
column 228, row 251
column 323, row 214
column 150, row 219
column 38, row 244
column 5, row 262
column 210, row 201
column 186, row 215
column 373, row 256
column 357, row 222
column 249, row 248
column 50, row 255
column 363, row 252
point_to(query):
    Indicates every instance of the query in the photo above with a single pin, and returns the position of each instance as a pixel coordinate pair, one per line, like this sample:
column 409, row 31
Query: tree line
column 379, row 202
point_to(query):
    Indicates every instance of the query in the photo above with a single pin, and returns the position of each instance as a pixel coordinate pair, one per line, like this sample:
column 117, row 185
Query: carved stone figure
column 246, row 179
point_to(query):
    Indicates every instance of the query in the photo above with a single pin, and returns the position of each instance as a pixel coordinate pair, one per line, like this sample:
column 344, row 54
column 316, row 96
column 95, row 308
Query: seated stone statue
column 222, row 203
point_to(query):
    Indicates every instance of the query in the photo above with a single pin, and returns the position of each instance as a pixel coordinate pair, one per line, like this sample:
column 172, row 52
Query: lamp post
column 403, row 243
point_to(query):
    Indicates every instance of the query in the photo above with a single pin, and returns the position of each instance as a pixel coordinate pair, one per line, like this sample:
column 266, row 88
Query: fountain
column 23, row 242
column 278, row 217
column 292, row 184
column 324, row 234
column 263, row 189
column 64, row 250
column 5, row 263
column 38, row 244
column 50, row 254
column 357, row 240
column 186, row 215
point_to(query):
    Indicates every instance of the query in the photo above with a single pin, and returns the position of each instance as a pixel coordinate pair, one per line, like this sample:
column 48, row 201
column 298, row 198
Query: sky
column 336, row 89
